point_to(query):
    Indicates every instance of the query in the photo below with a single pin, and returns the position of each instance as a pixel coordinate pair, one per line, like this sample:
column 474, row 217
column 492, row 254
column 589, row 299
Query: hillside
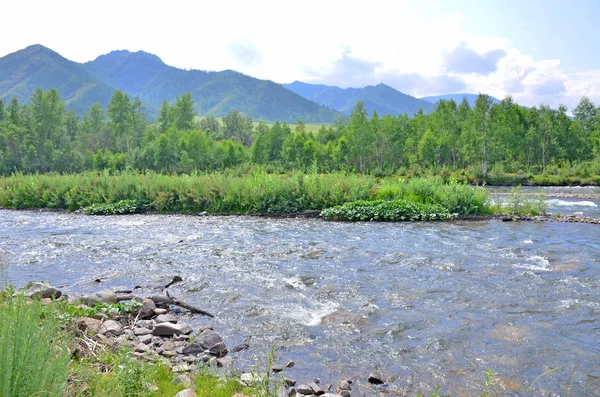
column 381, row 97
column 146, row 76
column 457, row 98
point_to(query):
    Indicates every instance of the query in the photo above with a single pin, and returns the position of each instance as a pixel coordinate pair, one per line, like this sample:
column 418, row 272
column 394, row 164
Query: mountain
column 457, row 98
column 381, row 97
column 22, row 72
column 148, row 77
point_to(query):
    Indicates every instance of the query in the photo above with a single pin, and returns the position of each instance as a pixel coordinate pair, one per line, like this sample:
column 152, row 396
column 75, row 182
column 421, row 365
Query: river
column 428, row 304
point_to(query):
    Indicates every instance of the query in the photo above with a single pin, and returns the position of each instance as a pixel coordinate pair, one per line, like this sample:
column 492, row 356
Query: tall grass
column 215, row 193
column 34, row 359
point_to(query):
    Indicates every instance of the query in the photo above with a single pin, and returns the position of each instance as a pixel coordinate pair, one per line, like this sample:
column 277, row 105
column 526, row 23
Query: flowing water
column 429, row 304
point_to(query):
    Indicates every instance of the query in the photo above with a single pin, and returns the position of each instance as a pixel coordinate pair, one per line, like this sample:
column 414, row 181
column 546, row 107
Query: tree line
column 43, row 136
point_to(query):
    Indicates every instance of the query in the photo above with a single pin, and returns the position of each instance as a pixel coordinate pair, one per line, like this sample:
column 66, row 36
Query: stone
column 376, row 378
column 181, row 337
column 182, row 380
column 101, row 297
column 249, row 379
column 345, row 384
column 147, row 309
column 142, row 348
column 111, row 326
column 213, row 362
column 169, row 353
column 106, row 340
column 168, row 345
column 170, row 329
column 141, row 331
column 145, row 324
column 281, row 367
column 39, row 290
column 158, row 312
column 193, row 348
column 225, row 362
column 204, row 328
column 240, row 347
column 182, row 368
column 166, row 318
column 90, row 323
column 345, row 393
column 289, row 381
column 146, row 339
column 316, row 389
column 329, row 395
column 213, row 342
column 191, row 359
column 205, row 357
column 304, row 390
column 186, row 393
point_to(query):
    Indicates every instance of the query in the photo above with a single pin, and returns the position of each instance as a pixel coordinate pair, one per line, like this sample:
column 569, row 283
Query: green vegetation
column 391, row 211
column 118, row 208
column 520, row 203
column 34, row 358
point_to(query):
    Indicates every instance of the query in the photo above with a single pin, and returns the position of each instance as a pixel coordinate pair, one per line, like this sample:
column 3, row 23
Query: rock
column 289, row 381
column 166, row 318
column 169, row 353
column 213, row 362
column 345, row 384
column 106, row 340
column 345, row 393
column 204, row 328
column 168, row 345
column 329, row 395
column 213, row 342
column 169, row 329
column 111, row 326
column 239, row 395
column 39, row 290
column 142, row 348
column 316, row 389
column 147, row 309
column 141, row 331
column 146, row 339
column 146, row 324
column 305, row 390
column 205, row 357
column 240, row 347
column 101, row 297
column 249, row 379
column 193, row 348
column 158, row 312
column 186, row 393
column 376, row 378
column 225, row 362
column 292, row 392
column 182, row 368
column 182, row 380
column 281, row 367
column 90, row 323
column 101, row 316
column 190, row 359
column 181, row 337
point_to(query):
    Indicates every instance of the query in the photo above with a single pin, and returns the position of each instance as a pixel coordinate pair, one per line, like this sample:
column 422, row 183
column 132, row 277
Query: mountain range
column 471, row 98
column 144, row 75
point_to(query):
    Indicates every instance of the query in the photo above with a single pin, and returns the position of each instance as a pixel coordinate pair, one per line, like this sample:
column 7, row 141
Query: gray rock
column 186, row 393
column 182, row 368
column 101, row 297
column 111, row 326
column 158, row 312
column 213, row 342
column 147, row 309
column 225, row 362
column 169, row 353
column 181, row 337
column 205, row 357
column 191, row 359
column 169, row 329
column 204, row 328
column 101, row 316
column 90, row 323
column 39, row 290
column 213, row 362
column 376, row 378
column 304, row 390
column 142, row 348
column 240, row 347
column 330, row 395
column 141, row 331
column 249, row 379
column 193, row 348
column 289, row 381
column 281, row 367
column 168, row 345
column 182, row 380
column 166, row 318
column 146, row 339
column 316, row 389
column 146, row 324
column 345, row 393
column 345, row 384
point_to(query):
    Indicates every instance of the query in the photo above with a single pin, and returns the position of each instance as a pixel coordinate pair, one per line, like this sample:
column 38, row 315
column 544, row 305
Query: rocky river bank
column 154, row 330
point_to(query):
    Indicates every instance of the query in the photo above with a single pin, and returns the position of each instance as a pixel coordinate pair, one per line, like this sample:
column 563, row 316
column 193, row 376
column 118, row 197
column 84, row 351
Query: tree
column 165, row 117
column 238, row 127
column 119, row 114
column 360, row 138
column 184, row 115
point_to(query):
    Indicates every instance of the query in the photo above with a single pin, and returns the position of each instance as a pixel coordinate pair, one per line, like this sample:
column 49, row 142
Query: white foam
column 527, row 242
column 295, row 282
column 536, row 263
column 571, row 203
column 310, row 316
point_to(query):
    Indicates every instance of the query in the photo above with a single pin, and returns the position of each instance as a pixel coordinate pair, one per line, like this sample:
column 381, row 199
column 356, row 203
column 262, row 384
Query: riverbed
column 428, row 304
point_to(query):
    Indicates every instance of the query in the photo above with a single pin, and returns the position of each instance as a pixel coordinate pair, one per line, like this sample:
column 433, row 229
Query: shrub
column 381, row 210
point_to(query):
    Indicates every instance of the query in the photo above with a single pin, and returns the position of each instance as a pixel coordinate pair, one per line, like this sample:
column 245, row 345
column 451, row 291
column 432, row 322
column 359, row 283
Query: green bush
column 34, row 359
column 381, row 210
column 120, row 208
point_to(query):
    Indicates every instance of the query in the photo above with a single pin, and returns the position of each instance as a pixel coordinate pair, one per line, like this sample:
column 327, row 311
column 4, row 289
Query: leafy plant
column 396, row 210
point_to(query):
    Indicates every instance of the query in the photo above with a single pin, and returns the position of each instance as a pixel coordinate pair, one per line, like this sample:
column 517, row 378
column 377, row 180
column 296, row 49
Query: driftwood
column 176, row 302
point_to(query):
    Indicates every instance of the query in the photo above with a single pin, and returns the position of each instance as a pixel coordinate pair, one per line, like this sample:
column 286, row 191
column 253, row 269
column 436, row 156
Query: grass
column 390, row 211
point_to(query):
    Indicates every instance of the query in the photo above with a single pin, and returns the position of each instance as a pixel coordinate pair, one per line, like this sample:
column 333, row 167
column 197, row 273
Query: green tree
column 360, row 138
column 184, row 115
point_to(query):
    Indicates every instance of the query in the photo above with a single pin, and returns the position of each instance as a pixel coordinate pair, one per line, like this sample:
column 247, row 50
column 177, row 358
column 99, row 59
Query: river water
column 428, row 304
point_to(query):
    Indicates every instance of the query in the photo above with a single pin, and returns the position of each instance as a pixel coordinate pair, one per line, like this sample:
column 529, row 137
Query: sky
column 538, row 51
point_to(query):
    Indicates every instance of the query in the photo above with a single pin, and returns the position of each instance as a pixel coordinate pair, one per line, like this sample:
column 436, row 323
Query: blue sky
column 537, row 51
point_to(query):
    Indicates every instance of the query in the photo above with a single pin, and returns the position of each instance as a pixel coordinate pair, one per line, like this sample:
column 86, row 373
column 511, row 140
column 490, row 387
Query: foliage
column 34, row 359
column 119, row 208
column 518, row 202
column 381, row 210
